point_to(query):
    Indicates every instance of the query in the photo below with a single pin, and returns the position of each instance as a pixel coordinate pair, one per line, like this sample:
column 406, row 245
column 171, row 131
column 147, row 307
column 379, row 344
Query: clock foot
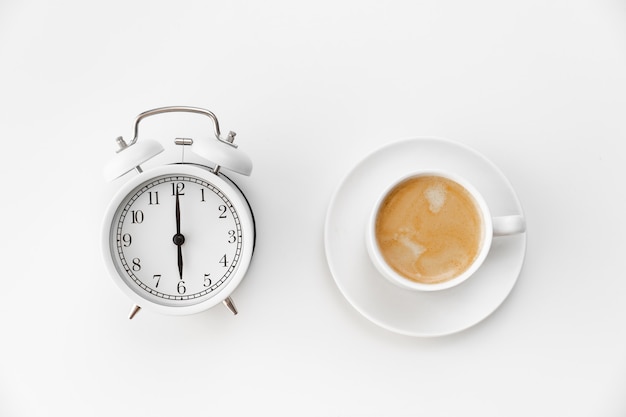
column 228, row 302
column 133, row 311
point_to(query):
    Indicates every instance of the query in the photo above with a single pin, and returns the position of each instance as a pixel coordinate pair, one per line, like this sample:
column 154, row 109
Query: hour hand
column 180, row 261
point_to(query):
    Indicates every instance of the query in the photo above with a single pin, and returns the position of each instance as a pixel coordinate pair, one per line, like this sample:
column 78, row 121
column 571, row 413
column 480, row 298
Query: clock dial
column 176, row 239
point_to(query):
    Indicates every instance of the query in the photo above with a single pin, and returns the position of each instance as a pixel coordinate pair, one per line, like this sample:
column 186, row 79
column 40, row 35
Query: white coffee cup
column 433, row 212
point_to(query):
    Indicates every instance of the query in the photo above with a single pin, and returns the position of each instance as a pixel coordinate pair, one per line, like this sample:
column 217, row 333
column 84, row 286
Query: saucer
column 434, row 313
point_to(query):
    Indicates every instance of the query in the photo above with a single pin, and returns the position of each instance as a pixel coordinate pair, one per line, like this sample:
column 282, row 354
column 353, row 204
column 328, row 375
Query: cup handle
column 508, row 225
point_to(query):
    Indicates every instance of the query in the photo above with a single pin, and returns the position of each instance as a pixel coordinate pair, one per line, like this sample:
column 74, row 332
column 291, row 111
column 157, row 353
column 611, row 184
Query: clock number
column 154, row 197
column 231, row 236
column 137, row 264
column 177, row 188
column 136, row 216
column 207, row 280
column 181, row 287
column 202, row 195
column 222, row 208
column 158, row 279
column 223, row 261
column 127, row 239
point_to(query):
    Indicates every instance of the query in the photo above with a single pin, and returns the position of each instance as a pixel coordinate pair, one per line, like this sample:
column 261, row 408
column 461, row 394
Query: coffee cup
column 431, row 230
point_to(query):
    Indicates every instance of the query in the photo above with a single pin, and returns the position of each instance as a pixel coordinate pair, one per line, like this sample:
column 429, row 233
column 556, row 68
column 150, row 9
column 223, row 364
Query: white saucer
column 412, row 313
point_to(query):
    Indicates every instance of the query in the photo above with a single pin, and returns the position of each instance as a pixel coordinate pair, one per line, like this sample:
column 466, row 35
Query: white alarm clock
column 179, row 238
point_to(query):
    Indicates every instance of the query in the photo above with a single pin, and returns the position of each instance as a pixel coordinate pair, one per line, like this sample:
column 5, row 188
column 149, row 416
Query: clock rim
column 234, row 194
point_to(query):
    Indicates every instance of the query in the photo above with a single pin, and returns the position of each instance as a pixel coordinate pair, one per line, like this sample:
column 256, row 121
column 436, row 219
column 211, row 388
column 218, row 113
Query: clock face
column 178, row 239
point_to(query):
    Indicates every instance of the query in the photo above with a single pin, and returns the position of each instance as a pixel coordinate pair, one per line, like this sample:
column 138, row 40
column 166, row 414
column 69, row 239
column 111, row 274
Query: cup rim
column 398, row 279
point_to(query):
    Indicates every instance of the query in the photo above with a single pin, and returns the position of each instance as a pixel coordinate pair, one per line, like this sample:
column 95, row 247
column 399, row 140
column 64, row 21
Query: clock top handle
column 222, row 153
column 173, row 109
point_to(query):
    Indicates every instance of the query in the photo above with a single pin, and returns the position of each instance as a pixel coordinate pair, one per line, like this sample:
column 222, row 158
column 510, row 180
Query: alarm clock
column 178, row 238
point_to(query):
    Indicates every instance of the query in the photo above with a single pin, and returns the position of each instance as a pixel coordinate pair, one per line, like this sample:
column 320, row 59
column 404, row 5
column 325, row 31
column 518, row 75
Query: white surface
column 311, row 89
column 406, row 311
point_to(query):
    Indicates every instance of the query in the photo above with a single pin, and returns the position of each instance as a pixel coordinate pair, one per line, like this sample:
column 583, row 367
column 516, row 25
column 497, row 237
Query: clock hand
column 177, row 214
column 180, row 261
column 178, row 238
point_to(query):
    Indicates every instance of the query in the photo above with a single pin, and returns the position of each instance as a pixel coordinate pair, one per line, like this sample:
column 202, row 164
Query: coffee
column 429, row 229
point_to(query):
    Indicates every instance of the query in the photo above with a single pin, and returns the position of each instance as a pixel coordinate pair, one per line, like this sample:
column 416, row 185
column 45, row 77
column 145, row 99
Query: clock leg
column 133, row 311
column 228, row 302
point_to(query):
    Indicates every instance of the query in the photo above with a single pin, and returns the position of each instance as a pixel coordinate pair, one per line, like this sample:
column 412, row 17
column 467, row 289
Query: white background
column 539, row 87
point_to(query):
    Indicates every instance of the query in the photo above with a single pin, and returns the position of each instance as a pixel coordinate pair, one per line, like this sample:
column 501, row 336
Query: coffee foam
column 436, row 196
column 429, row 229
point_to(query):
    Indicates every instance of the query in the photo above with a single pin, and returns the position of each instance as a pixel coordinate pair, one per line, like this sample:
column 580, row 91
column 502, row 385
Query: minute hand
column 177, row 214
